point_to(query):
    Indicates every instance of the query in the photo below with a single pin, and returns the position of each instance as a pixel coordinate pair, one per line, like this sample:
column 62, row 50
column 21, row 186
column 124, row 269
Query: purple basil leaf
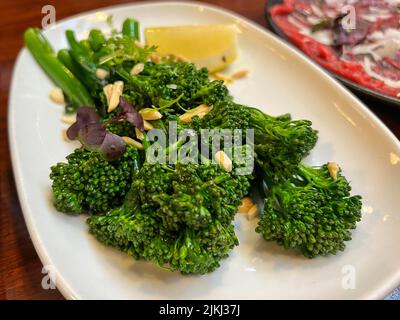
column 87, row 115
column 73, row 131
column 112, row 147
column 84, row 117
column 128, row 113
column 94, row 136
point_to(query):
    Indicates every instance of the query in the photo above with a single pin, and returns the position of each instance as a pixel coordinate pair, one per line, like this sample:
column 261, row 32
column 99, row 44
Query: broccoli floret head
column 88, row 182
column 124, row 227
column 210, row 93
column 192, row 251
column 201, row 251
column 190, row 194
column 142, row 235
column 280, row 143
column 226, row 115
column 176, row 216
column 312, row 212
column 169, row 80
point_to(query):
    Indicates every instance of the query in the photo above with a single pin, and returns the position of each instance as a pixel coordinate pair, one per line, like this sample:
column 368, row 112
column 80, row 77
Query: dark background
column 20, row 268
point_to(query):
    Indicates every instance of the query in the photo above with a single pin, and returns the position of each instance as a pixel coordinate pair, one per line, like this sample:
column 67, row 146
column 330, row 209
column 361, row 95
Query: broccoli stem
column 44, row 54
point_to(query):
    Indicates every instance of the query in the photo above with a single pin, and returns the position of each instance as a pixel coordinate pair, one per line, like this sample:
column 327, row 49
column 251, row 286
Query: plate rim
column 62, row 285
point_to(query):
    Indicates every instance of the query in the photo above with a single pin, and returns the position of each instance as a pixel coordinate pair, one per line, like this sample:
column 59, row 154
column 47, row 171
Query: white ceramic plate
column 281, row 80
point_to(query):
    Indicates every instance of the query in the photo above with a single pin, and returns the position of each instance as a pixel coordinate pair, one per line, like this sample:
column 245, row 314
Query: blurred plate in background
column 357, row 88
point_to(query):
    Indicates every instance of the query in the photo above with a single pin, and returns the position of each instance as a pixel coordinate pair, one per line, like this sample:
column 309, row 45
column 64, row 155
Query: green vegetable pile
column 180, row 215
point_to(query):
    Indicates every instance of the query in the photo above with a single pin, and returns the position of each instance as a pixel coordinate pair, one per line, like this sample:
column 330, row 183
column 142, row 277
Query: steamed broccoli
column 189, row 194
column 225, row 115
column 126, row 228
column 88, row 182
column 312, row 212
column 210, row 93
column 176, row 216
column 280, row 143
column 170, row 80
column 201, row 251
column 141, row 235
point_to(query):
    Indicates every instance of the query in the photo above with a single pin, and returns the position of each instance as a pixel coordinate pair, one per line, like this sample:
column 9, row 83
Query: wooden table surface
column 20, row 267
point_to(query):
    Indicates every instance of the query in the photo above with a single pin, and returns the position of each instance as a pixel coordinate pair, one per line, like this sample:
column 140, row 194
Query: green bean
column 96, row 39
column 65, row 57
column 44, row 54
column 85, row 43
column 80, row 53
column 130, row 28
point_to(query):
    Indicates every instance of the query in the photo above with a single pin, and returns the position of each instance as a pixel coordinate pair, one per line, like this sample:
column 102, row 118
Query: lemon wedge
column 210, row 46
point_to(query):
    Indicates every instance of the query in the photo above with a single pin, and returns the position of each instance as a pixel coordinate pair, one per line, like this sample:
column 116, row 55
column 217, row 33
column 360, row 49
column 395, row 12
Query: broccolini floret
column 201, row 251
column 88, row 182
column 140, row 235
column 280, row 143
column 125, row 228
column 169, row 80
column 312, row 212
column 225, row 115
column 176, row 216
column 189, row 194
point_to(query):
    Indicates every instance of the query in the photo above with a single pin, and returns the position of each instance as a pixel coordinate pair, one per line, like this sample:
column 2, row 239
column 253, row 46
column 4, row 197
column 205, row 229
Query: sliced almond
column 246, row 204
column 155, row 58
column 172, row 86
column 139, row 134
column 102, row 73
column 181, row 58
column 137, row 68
column 57, row 95
column 222, row 158
column 119, row 88
column 138, row 44
column 150, row 114
column 253, row 212
column 69, row 118
column 147, row 125
column 333, row 169
column 113, row 92
column 200, row 111
column 133, row 143
column 240, row 74
column 220, row 76
column 108, row 90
